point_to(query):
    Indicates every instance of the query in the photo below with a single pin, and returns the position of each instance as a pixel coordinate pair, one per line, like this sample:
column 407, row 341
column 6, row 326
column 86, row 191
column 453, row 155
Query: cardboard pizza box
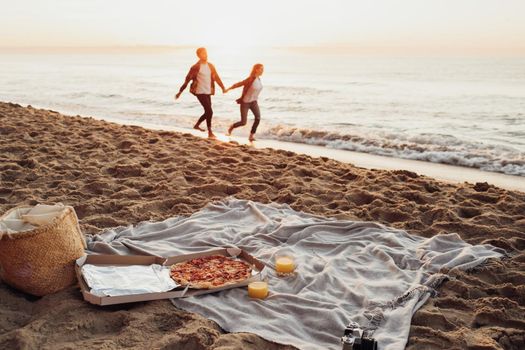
column 180, row 292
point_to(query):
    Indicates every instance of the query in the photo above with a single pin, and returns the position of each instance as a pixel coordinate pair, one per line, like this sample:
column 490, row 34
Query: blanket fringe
column 487, row 262
column 375, row 313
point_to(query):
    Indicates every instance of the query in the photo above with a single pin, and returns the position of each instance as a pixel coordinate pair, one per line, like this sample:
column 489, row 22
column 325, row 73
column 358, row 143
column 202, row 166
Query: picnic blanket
column 346, row 270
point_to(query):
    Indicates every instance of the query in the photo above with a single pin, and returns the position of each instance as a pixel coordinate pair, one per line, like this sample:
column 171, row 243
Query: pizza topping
column 210, row 272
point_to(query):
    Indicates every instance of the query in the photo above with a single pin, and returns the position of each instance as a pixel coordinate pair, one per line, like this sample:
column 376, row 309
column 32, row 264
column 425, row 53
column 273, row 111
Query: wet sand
column 444, row 172
column 119, row 175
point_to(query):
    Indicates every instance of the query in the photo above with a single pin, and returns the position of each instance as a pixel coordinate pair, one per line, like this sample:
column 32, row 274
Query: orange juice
column 258, row 290
column 284, row 265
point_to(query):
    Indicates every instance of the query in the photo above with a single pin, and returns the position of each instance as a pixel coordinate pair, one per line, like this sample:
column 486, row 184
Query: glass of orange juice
column 258, row 289
column 284, row 264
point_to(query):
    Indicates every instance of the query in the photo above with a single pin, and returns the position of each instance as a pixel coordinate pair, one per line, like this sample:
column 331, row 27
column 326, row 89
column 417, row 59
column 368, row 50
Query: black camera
column 356, row 338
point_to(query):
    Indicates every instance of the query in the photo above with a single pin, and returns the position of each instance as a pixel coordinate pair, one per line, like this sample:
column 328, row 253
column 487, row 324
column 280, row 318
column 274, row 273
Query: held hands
column 177, row 95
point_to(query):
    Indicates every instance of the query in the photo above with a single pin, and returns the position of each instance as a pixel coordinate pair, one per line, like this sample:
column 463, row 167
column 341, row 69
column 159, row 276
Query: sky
column 490, row 25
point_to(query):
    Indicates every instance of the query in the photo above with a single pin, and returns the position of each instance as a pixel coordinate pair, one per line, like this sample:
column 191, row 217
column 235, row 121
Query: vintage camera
column 356, row 338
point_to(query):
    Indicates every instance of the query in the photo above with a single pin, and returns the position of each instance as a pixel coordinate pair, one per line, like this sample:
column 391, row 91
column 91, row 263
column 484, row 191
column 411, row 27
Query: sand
column 119, row 175
column 440, row 171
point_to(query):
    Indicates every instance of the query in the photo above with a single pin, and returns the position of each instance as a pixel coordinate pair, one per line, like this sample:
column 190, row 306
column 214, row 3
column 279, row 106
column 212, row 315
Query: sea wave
column 436, row 148
column 300, row 90
column 114, row 98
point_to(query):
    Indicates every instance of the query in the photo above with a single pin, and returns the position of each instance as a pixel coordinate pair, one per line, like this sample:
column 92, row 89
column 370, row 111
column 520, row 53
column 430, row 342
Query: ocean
column 464, row 111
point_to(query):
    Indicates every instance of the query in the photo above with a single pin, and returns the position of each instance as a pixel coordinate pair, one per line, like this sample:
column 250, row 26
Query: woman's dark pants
column 254, row 107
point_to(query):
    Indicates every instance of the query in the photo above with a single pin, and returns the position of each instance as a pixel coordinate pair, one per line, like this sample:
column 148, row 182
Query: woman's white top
column 253, row 92
column 204, row 80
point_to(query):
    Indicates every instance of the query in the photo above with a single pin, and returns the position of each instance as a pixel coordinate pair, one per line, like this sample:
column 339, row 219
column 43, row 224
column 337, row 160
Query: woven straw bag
column 41, row 261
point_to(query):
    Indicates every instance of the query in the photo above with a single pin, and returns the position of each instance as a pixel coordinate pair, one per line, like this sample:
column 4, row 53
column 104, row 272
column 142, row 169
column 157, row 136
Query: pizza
column 210, row 272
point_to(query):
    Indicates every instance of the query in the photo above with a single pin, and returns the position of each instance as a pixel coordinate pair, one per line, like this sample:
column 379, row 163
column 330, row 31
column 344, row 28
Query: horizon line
column 340, row 47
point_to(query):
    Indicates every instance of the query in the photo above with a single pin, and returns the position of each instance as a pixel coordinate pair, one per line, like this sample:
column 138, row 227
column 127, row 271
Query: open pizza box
column 178, row 292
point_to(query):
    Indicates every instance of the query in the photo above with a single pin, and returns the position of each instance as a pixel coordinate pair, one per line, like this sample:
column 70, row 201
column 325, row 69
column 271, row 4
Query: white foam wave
column 435, row 148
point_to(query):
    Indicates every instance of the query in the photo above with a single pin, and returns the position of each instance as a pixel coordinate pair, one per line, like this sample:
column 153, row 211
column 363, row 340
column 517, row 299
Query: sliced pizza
column 210, row 272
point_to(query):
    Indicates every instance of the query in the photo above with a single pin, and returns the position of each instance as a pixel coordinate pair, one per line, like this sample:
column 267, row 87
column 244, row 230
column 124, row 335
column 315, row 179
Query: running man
column 203, row 76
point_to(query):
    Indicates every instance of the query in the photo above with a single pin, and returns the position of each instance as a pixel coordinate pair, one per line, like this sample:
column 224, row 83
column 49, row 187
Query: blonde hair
column 255, row 67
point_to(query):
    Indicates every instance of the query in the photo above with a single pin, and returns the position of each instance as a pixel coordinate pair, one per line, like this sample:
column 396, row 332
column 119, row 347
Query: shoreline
column 439, row 171
column 443, row 172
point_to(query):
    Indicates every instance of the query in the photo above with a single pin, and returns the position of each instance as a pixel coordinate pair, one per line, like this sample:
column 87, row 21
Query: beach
column 117, row 175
